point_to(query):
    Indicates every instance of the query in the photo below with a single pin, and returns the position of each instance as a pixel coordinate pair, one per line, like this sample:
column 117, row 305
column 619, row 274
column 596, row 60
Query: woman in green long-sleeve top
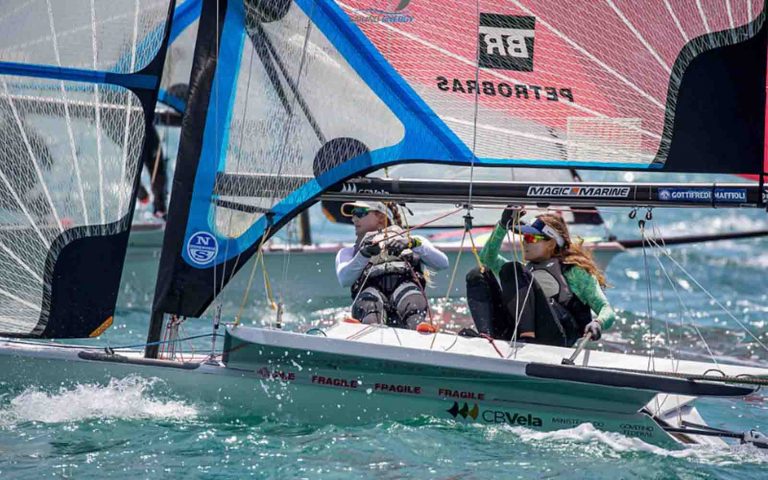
column 554, row 293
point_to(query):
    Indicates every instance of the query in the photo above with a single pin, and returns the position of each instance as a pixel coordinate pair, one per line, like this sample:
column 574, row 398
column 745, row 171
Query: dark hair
column 573, row 253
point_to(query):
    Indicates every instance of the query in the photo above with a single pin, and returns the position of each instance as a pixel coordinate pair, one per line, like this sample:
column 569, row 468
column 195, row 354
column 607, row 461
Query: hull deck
column 360, row 374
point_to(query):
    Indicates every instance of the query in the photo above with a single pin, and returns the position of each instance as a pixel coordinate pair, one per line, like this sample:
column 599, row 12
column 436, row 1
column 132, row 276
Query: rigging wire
column 217, row 141
column 656, row 233
column 649, row 297
column 474, row 121
column 716, row 301
column 685, row 308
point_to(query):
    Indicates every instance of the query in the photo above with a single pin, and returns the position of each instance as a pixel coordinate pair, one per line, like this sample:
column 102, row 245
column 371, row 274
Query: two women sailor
column 385, row 269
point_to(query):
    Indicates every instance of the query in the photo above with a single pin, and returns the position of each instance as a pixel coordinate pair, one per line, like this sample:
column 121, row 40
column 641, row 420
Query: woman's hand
column 369, row 248
column 594, row 329
column 511, row 216
column 396, row 245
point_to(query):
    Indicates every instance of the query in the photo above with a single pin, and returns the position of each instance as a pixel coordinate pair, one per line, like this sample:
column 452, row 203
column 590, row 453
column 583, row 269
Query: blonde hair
column 573, row 253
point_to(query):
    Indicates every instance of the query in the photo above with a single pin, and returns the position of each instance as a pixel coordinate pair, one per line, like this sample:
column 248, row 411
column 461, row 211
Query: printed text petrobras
column 504, row 89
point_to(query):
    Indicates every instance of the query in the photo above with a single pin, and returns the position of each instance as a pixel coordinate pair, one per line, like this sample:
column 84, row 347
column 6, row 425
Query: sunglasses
column 360, row 212
column 534, row 238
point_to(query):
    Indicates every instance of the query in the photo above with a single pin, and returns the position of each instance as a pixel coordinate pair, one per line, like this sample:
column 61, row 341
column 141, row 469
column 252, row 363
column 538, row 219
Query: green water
column 137, row 428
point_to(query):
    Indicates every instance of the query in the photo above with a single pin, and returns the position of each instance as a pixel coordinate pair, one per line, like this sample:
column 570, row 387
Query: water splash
column 587, row 433
column 126, row 398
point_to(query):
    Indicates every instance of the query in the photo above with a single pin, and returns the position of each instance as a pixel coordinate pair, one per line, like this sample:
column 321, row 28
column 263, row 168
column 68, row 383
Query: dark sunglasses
column 360, row 212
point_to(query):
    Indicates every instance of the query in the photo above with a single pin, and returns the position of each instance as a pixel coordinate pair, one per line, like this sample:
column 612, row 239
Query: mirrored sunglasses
column 533, row 238
column 360, row 212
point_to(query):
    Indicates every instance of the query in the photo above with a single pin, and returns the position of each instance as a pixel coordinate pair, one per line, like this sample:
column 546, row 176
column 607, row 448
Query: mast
column 305, row 229
column 204, row 64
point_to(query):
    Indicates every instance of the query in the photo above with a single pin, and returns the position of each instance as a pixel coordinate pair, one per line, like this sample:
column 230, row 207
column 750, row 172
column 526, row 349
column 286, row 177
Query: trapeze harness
column 395, row 285
column 569, row 314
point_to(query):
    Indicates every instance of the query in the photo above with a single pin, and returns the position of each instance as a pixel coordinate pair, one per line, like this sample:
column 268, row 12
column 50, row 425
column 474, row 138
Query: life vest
column 386, row 272
column 570, row 314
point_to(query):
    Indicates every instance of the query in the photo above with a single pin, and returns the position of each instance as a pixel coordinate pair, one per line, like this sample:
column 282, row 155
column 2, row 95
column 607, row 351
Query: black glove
column 370, row 250
column 367, row 247
column 594, row 329
column 511, row 216
column 396, row 245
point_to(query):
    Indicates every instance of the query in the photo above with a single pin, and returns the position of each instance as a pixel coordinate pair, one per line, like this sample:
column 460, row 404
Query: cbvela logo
column 495, row 416
column 394, row 13
column 202, row 248
column 506, row 42
column 464, row 411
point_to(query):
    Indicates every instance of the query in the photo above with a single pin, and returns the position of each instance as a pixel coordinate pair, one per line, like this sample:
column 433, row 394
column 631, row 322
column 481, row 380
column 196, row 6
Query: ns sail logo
column 202, row 248
column 506, row 42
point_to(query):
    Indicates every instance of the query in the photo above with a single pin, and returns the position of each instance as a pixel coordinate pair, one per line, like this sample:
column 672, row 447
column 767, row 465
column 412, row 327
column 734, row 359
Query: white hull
column 360, row 374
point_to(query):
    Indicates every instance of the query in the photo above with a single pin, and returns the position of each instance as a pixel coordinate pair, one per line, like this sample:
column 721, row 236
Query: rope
column 267, row 284
column 474, row 251
column 259, row 254
column 456, row 265
column 493, row 344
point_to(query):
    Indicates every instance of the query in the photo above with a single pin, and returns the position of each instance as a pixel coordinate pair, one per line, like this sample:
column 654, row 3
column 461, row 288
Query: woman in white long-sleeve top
column 386, row 267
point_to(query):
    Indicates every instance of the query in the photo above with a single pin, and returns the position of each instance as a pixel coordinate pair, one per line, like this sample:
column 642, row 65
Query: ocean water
column 139, row 428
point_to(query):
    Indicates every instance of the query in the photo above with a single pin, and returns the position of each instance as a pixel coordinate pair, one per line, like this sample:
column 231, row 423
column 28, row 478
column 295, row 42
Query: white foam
column 126, row 398
column 587, row 433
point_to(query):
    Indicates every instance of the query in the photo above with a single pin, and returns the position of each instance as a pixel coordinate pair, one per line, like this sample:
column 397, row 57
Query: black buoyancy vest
column 388, row 275
column 570, row 313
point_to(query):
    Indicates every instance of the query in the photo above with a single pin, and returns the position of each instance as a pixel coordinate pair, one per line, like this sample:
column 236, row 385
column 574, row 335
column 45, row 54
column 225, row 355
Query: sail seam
column 676, row 20
column 586, row 53
column 20, row 300
column 703, row 15
column 20, row 262
column 639, row 36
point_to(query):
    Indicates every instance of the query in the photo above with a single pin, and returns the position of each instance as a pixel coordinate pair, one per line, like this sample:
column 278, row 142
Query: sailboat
column 305, row 272
column 293, row 100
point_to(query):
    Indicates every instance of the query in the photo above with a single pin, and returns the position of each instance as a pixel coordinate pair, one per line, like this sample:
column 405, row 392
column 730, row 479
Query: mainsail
column 78, row 83
column 288, row 98
column 174, row 84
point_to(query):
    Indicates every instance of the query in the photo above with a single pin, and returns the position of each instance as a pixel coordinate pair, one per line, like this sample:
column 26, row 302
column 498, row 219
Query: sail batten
column 78, row 85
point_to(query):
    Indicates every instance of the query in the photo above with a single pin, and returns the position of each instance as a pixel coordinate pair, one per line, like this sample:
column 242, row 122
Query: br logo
column 202, row 248
column 506, row 42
